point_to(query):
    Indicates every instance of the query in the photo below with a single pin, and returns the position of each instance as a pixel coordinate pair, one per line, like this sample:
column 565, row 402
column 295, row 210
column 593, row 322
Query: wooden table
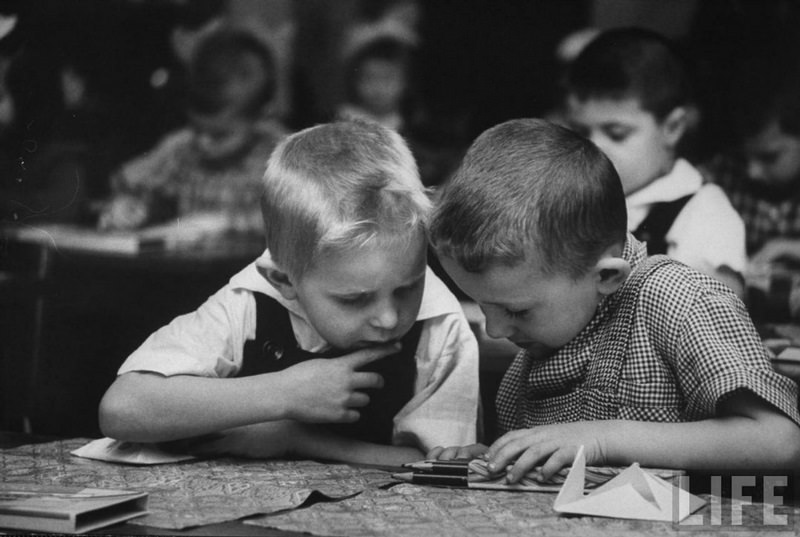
column 442, row 512
column 67, row 332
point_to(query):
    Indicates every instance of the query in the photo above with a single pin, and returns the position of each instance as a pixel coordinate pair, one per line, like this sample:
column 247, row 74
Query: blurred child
column 378, row 82
column 629, row 92
column 337, row 343
column 381, row 87
column 762, row 174
column 215, row 164
column 637, row 359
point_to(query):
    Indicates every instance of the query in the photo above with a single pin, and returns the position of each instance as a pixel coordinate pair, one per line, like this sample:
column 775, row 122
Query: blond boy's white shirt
column 708, row 233
column 209, row 342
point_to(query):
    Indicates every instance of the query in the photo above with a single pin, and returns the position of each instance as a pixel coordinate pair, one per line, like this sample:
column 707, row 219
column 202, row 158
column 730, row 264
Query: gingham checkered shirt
column 763, row 219
column 669, row 345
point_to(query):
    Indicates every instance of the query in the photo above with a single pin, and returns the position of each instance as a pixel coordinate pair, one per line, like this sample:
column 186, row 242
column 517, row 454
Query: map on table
column 192, row 493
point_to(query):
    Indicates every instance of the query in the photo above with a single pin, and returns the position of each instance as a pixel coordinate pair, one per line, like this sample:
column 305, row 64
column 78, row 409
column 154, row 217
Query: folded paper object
column 110, row 450
column 633, row 494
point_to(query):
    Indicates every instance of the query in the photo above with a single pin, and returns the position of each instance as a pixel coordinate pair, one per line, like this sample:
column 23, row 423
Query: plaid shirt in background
column 669, row 345
column 764, row 219
column 175, row 170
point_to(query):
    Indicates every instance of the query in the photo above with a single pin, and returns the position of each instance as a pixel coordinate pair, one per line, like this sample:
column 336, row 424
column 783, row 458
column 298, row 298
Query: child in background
column 378, row 82
column 760, row 171
column 762, row 174
column 337, row 343
column 629, row 92
column 214, row 165
column 637, row 359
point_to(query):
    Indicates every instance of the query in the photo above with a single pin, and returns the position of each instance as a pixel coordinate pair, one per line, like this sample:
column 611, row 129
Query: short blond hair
column 339, row 186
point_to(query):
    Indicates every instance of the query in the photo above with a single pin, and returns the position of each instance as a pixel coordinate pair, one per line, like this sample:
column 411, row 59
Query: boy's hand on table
column 550, row 446
column 471, row 451
column 124, row 212
column 331, row 390
column 776, row 250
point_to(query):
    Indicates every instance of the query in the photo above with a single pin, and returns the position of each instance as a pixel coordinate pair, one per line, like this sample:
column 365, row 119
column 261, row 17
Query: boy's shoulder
column 668, row 289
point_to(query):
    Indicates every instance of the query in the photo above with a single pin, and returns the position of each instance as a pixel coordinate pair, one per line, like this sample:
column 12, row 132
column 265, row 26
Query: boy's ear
column 611, row 274
column 677, row 123
column 279, row 280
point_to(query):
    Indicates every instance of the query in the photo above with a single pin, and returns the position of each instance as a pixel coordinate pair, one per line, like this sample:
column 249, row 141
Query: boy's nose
column 497, row 327
column 386, row 317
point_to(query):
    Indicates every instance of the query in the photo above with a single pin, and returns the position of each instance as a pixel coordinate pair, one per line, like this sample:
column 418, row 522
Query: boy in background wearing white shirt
column 629, row 92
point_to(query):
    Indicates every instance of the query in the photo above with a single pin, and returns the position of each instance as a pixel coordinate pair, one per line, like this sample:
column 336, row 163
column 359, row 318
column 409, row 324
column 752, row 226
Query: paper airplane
column 633, row 494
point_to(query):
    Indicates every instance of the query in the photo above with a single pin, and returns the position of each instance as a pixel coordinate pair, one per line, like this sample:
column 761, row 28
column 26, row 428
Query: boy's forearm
column 316, row 442
column 146, row 407
column 731, row 442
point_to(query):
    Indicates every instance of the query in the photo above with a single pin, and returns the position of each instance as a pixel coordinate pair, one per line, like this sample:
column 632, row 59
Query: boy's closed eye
column 406, row 290
column 359, row 299
column 767, row 157
column 617, row 133
column 516, row 314
column 364, row 298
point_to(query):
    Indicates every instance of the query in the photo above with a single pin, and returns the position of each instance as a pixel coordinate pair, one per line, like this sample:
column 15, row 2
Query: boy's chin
column 536, row 350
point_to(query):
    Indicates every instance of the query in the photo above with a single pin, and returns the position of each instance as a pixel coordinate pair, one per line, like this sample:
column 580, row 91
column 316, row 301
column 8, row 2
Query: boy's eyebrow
column 408, row 283
column 614, row 123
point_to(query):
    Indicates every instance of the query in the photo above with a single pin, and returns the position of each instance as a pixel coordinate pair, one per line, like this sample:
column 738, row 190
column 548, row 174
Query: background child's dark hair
column 529, row 186
column 632, row 63
column 389, row 49
column 766, row 91
column 216, row 60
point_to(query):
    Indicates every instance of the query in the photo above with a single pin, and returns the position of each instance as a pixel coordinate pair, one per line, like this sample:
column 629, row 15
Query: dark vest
column 653, row 229
column 275, row 348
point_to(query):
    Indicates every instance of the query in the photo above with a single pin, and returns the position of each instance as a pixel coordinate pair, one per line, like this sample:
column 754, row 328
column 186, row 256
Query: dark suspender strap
column 653, row 229
column 275, row 348
column 399, row 372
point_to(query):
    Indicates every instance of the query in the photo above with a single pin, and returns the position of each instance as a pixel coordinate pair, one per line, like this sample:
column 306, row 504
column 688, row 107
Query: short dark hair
column 217, row 58
column 526, row 187
column 632, row 63
column 765, row 89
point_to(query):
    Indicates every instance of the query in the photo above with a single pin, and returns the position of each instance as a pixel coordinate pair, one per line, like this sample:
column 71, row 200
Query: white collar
column 682, row 180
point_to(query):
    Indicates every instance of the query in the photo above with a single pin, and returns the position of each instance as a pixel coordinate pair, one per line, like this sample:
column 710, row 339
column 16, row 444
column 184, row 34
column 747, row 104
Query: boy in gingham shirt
column 637, row 359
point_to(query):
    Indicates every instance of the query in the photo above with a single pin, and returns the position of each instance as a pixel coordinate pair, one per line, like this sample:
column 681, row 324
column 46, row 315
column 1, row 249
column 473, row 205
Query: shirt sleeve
column 719, row 353
column 445, row 408
column 207, row 342
column 155, row 168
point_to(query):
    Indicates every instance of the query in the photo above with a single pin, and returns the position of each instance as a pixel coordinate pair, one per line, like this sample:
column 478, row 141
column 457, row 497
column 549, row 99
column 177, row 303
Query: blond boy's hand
column 550, row 446
column 332, row 390
column 471, row 451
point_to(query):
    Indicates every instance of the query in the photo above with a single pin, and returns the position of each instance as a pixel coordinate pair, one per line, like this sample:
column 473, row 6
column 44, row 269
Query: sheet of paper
column 633, row 494
column 108, row 449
